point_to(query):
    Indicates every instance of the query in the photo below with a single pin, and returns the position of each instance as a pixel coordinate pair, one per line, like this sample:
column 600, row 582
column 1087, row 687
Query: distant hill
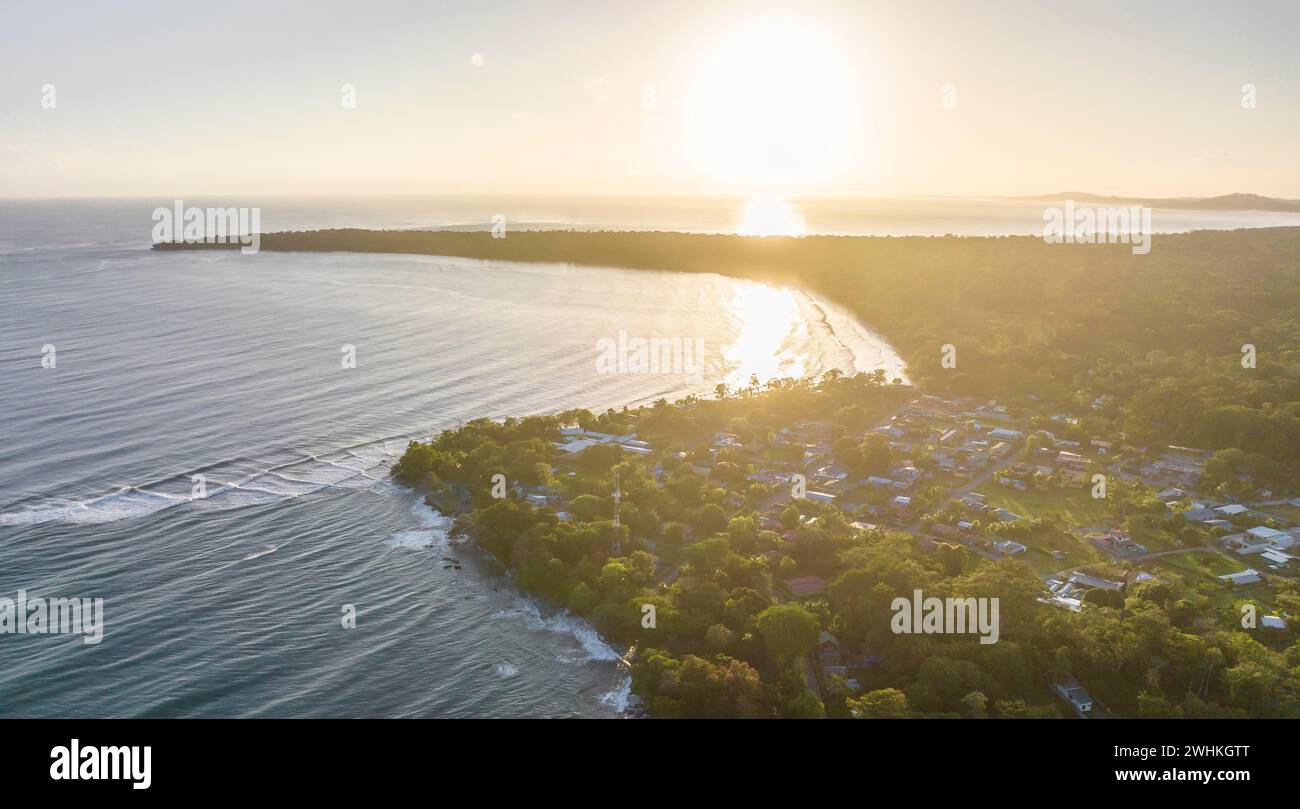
column 1224, row 202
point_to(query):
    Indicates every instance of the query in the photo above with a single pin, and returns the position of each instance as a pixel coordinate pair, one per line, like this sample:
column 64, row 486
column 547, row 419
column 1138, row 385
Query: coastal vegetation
column 712, row 552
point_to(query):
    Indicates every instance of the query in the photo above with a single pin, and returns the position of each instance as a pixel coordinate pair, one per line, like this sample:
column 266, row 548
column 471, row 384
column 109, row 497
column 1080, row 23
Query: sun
column 770, row 215
column 774, row 104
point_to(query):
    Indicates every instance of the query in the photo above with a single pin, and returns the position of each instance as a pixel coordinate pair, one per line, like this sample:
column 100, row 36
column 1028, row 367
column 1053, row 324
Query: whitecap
column 411, row 539
column 434, row 529
column 621, row 697
column 592, row 648
column 122, row 505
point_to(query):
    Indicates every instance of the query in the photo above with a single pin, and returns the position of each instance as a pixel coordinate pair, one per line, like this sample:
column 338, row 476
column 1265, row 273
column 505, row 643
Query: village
column 1093, row 517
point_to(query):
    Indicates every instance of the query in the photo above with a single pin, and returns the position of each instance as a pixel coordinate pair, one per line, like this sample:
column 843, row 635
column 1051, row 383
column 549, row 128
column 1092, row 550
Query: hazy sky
column 614, row 96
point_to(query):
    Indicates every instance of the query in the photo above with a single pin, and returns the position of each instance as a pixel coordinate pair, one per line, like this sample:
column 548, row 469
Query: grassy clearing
column 1076, row 506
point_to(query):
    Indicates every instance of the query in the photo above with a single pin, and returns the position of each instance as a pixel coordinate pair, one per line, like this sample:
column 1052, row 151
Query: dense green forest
column 1163, row 333
column 725, row 644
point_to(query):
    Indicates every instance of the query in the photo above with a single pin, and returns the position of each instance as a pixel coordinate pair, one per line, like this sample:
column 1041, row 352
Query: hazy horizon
column 614, row 195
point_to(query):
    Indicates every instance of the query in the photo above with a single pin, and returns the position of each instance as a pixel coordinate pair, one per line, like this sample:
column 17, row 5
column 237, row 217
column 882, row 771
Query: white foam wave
column 434, row 529
column 411, row 539
column 360, row 467
column 121, row 505
column 621, row 697
column 592, row 648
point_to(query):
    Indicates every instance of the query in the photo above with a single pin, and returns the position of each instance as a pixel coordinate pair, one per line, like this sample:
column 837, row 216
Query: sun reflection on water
column 770, row 327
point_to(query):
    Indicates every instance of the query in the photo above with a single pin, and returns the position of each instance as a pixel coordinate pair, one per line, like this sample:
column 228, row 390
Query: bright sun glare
column 768, row 318
column 769, row 215
column 774, row 105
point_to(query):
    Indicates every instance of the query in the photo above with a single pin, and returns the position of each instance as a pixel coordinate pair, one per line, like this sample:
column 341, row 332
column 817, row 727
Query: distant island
column 770, row 531
column 1223, row 202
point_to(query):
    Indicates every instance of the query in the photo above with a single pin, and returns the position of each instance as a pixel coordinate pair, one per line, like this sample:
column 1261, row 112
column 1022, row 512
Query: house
column 1003, row 434
column 1071, row 604
column 1245, row 544
column 1232, row 509
column 1072, row 692
column 805, row 586
column 1083, row 579
column 909, row 472
column 1072, row 459
column 1200, row 514
column 832, row 472
column 1169, row 495
column 1179, row 469
column 828, row 649
column 1007, row 547
column 1272, row 622
column 1116, row 543
column 1245, row 578
column 726, row 440
column 901, row 503
column 820, row 497
column 577, row 439
column 1275, row 557
column 577, row 446
column 1265, row 533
